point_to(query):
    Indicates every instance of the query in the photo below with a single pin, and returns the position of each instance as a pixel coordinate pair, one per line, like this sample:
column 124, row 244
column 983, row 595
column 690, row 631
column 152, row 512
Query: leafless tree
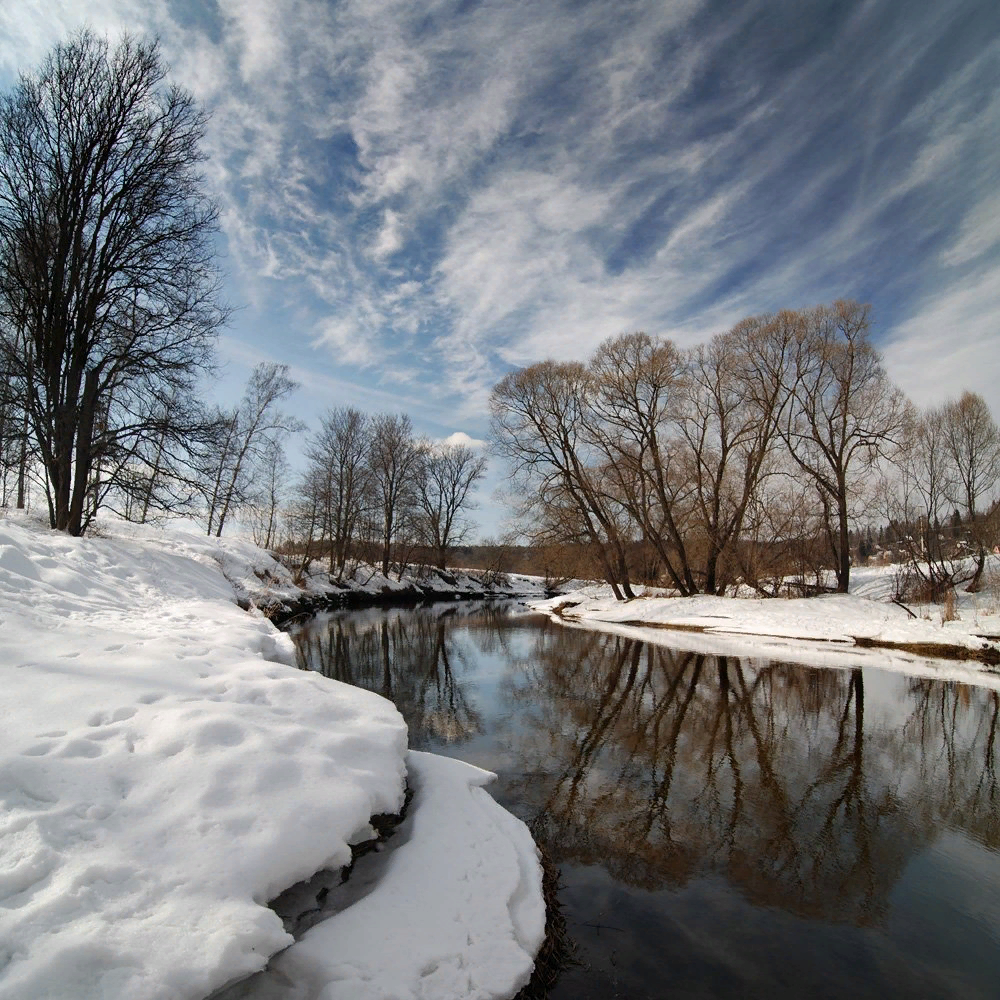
column 269, row 495
column 844, row 415
column 446, row 475
column 920, row 497
column 539, row 426
column 242, row 440
column 973, row 442
column 732, row 402
column 393, row 461
column 636, row 383
column 338, row 457
column 109, row 292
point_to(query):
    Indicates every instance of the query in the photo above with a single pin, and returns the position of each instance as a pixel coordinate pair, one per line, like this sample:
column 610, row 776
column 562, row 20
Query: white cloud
column 951, row 344
column 461, row 438
column 979, row 233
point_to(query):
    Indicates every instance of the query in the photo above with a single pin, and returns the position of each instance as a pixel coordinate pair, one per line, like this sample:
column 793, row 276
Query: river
column 723, row 826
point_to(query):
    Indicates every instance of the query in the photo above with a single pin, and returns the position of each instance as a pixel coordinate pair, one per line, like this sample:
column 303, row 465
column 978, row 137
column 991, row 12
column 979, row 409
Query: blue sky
column 418, row 196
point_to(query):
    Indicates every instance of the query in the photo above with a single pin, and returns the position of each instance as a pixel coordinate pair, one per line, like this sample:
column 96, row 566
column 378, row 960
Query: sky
column 417, row 197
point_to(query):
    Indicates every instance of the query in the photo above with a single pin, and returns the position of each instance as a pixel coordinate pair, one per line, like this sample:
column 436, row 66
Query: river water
column 724, row 827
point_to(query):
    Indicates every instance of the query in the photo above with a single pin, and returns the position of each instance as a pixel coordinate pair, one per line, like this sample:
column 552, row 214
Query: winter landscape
column 499, row 502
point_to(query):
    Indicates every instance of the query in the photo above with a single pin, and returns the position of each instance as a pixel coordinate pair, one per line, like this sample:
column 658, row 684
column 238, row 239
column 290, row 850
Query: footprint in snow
column 106, row 718
column 81, row 748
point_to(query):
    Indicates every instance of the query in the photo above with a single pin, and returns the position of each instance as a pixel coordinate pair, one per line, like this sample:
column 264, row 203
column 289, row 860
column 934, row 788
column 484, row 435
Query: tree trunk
column 22, row 464
column 844, row 544
column 976, row 582
column 386, row 545
column 84, row 453
column 147, row 499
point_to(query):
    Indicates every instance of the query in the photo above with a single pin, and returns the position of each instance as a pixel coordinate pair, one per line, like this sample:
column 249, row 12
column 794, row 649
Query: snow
column 820, row 631
column 403, row 940
column 165, row 770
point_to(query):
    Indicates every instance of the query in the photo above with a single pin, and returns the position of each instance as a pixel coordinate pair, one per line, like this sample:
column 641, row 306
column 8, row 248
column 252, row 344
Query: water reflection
column 405, row 655
column 806, row 790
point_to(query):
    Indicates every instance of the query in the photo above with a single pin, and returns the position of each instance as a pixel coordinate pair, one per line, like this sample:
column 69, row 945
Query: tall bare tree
column 242, row 440
column 269, row 494
column 393, row 461
column 338, row 457
column 446, row 475
column 973, row 441
column 920, row 497
column 539, row 425
column 635, row 384
column 109, row 292
column 845, row 414
column 732, row 404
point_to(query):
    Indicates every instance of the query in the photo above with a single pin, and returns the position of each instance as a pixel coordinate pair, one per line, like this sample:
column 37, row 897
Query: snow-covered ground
column 165, row 770
column 832, row 630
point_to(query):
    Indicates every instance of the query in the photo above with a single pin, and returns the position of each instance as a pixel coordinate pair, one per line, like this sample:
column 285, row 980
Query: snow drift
column 165, row 770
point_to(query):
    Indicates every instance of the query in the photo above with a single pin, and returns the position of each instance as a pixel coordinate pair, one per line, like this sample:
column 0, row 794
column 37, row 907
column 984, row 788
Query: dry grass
column 949, row 609
column 991, row 588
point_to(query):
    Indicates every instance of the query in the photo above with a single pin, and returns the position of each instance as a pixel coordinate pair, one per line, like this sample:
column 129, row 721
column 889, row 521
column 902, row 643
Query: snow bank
column 832, row 630
column 458, row 914
column 165, row 770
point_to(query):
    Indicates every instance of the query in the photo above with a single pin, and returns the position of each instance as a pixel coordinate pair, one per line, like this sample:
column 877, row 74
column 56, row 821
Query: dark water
column 724, row 827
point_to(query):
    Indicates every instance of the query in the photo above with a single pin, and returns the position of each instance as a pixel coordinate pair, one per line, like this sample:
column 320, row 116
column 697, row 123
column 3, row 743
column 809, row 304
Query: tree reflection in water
column 405, row 655
column 808, row 790
column 659, row 764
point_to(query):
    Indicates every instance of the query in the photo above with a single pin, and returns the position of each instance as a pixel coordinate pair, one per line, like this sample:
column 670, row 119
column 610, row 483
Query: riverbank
column 831, row 630
column 283, row 600
column 166, row 770
column 263, row 582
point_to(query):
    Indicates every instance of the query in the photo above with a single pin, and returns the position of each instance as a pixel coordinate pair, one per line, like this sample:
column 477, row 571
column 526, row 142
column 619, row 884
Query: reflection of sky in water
column 724, row 827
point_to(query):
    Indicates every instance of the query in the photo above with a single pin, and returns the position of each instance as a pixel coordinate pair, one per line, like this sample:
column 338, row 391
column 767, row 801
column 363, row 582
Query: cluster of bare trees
column 740, row 461
column 948, row 469
column 373, row 490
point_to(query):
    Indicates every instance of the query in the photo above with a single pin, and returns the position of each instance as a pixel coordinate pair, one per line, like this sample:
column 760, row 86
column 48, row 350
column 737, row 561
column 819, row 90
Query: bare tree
column 687, row 437
column 108, row 283
column 636, row 383
column 844, row 415
column 733, row 399
column 973, row 441
column 393, row 461
column 243, row 437
column 338, row 457
column 269, row 494
column 539, row 426
column 920, row 498
column 446, row 475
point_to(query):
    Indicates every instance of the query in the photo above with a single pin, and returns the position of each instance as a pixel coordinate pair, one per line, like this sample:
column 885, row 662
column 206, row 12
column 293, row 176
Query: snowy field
column 165, row 770
column 843, row 630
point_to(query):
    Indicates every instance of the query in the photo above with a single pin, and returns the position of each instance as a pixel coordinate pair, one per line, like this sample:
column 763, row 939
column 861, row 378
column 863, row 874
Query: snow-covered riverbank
column 165, row 770
column 863, row 627
column 273, row 588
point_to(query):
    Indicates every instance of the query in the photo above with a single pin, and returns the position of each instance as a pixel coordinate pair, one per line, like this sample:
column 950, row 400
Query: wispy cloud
column 431, row 193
